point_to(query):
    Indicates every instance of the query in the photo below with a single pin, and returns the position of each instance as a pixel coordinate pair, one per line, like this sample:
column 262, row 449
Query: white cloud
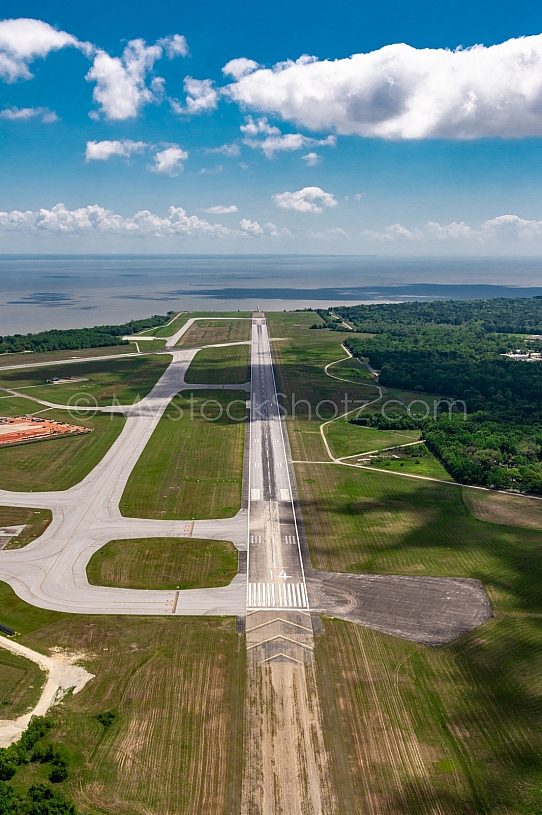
column 175, row 46
column 23, row 40
column 239, row 67
column 201, row 96
column 274, row 142
column 121, row 88
column 258, row 127
column 328, row 234
column 24, row 114
column 169, row 161
column 358, row 196
column 400, row 92
column 226, row 150
column 96, row 219
column 268, row 230
column 312, row 159
column 102, row 150
column 219, row 210
column 510, row 228
column 304, row 200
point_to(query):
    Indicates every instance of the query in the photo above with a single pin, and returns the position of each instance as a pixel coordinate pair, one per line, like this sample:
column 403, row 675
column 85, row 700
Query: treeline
column 454, row 349
column 514, row 315
column 38, row 799
column 71, row 339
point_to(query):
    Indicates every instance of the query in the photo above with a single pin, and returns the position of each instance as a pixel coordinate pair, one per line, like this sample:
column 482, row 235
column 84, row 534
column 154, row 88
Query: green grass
column 51, row 356
column 126, row 380
column 191, row 467
column 347, row 439
column 148, row 345
column 365, row 521
column 219, row 366
column 36, row 522
column 163, row 563
column 59, row 463
column 21, row 683
column 209, row 332
column 453, row 730
column 351, row 370
column 176, row 685
column 419, row 461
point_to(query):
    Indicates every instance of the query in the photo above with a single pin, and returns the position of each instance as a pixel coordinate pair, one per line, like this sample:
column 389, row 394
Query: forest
column 71, row 339
column 454, row 349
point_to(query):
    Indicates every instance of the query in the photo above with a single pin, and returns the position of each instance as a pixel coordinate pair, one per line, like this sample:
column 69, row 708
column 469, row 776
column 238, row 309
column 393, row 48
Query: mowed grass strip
column 219, row 366
column 36, row 522
column 416, row 460
column 125, row 380
column 372, row 522
column 347, row 439
column 21, row 684
column 208, row 332
column 453, row 730
column 33, row 358
column 58, row 463
column 192, row 466
column 502, row 508
column 163, row 563
column 175, row 685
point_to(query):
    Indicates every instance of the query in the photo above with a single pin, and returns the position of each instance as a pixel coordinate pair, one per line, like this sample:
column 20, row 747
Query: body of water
column 61, row 291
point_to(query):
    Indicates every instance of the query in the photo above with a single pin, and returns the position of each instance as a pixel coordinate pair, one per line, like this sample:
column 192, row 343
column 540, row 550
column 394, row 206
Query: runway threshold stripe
column 264, row 595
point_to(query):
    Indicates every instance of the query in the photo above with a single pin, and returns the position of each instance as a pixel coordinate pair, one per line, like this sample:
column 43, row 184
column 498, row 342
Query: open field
column 21, row 683
column 219, row 366
column 59, row 463
column 32, row 358
column 300, row 361
column 500, row 508
column 351, row 370
column 148, row 345
column 209, row 332
column 163, row 563
column 176, row 686
column 126, row 380
column 371, row 522
column 191, row 467
column 347, row 439
column 36, row 522
column 452, row 730
column 416, row 460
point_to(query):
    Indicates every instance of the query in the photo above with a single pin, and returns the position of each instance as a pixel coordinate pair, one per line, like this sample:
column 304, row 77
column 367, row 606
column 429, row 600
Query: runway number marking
column 284, row 576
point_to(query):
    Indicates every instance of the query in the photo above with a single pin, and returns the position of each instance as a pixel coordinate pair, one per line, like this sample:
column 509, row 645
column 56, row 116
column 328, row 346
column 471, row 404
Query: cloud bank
column 400, row 92
column 510, row 228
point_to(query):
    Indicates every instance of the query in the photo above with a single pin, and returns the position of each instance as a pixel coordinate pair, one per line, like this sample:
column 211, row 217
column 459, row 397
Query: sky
column 356, row 127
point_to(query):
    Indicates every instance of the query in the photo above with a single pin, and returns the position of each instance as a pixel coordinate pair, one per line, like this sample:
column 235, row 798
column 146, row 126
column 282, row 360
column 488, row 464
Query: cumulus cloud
column 121, row 88
column 96, row 219
column 24, row 114
column 400, row 92
column 226, row 150
column 23, row 40
column 269, row 230
column 312, row 159
column 328, row 234
column 175, row 46
column 219, row 210
column 169, row 161
column 103, row 150
column 304, row 200
column 239, row 67
column 201, row 96
column 502, row 228
column 274, row 141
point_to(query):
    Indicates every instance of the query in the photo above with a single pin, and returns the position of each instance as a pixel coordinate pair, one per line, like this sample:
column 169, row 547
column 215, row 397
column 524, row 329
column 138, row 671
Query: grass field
column 148, row 345
column 208, row 332
column 454, row 730
column 347, row 439
column 416, row 460
column 191, row 467
column 163, row 563
column 351, row 370
column 32, row 358
column 176, row 686
column 126, row 380
column 59, row 463
column 219, row 366
column 36, row 522
column 500, row 508
column 21, row 683
column 366, row 521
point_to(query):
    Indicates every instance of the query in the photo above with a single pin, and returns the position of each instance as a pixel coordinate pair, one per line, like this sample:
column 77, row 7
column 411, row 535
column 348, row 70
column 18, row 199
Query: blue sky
column 424, row 149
